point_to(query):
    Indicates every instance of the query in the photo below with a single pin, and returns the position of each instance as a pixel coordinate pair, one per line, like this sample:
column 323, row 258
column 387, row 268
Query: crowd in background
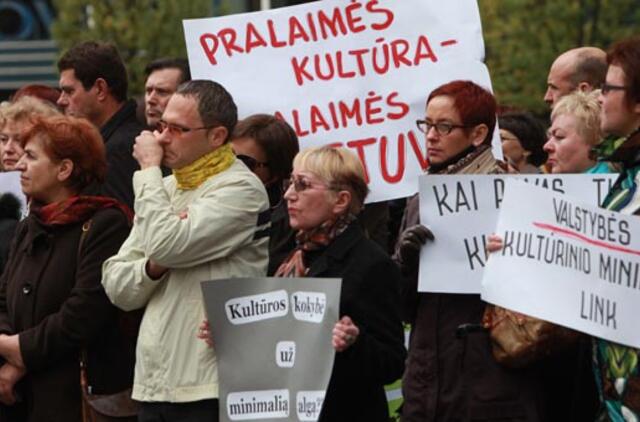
column 131, row 205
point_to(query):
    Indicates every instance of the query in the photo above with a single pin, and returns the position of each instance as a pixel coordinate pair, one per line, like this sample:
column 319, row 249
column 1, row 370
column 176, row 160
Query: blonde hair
column 25, row 107
column 340, row 168
column 585, row 108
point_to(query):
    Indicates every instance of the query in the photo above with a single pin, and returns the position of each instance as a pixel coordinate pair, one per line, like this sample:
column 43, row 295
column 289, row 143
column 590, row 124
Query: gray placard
column 272, row 338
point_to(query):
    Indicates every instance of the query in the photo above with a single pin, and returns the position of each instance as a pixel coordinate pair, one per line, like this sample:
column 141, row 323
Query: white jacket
column 224, row 235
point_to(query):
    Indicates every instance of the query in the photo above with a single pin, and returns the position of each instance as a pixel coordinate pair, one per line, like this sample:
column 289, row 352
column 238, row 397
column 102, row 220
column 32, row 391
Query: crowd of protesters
column 131, row 205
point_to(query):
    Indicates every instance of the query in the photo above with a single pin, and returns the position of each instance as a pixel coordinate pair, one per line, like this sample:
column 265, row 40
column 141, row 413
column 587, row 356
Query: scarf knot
column 193, row 175
column 312, row 240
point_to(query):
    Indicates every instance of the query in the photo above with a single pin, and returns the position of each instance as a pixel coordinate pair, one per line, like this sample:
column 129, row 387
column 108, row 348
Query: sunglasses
column 299, row 184
column 251, row 162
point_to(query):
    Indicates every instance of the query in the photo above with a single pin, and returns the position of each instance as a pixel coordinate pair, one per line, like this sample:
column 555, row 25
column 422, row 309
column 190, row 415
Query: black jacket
column 51, row 294
column 119, row 134
column 370, row 296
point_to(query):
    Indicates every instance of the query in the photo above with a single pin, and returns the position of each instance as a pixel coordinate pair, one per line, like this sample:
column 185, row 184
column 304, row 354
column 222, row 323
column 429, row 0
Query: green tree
column 143, row 30
column 523, row 37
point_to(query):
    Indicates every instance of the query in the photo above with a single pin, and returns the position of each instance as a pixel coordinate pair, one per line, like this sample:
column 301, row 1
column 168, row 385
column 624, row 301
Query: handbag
column 117, row 407
column 518, row 340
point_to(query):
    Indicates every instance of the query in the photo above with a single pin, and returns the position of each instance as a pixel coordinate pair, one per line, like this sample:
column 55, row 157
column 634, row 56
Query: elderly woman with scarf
column 52, row 305
column 326, row 191
column 324, row 195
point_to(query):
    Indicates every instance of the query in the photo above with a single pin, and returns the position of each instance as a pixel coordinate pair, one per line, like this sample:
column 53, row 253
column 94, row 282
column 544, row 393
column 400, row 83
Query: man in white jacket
column 208, row 220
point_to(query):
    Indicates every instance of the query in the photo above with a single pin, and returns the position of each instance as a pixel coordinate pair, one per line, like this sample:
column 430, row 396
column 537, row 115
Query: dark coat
column 282, row 239
column 119, row 134
column 451, row 374
column 9, row 217
column 370, row 296
column 51, row 294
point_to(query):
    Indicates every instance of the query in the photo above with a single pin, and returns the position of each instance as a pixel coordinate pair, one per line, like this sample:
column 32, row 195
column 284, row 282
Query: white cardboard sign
column 10, row 183
column 571, row 264
column 462, row 210
column 346, row 73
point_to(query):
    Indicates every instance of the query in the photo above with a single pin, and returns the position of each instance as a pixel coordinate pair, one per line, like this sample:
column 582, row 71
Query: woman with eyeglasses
column 522, row 137
column 324, row 195
column 267, row 146
column 451, row 374
column 52, row 305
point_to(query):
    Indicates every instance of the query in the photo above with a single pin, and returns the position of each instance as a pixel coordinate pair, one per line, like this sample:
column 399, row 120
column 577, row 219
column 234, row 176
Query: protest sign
column 564, row 262
column 272, row 339
column 462, row 210
column 345, row 73
column 10, row 183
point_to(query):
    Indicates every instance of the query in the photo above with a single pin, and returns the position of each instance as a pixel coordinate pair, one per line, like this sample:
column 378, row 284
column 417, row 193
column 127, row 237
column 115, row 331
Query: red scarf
column 76, row 209
column 312, row 240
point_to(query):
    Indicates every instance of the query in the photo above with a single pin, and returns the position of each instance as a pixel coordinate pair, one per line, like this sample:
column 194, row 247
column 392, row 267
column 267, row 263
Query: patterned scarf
column 312, row 240
column 193, row 175
column 76, row 209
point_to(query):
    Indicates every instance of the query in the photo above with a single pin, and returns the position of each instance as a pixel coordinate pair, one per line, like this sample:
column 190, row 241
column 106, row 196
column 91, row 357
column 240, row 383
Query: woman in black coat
column 326, row 192
column 52, row 305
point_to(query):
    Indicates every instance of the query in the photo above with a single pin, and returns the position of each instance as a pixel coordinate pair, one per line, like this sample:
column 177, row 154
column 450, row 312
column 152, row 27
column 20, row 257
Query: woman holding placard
column 325, row 193
column 575, row 130
column 451, row 374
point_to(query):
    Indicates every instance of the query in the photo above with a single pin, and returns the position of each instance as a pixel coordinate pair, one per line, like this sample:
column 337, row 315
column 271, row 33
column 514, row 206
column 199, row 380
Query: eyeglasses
column 442, row 128
column 251, row 162
column 607, row 88
column 177, row 130
column 299, row 184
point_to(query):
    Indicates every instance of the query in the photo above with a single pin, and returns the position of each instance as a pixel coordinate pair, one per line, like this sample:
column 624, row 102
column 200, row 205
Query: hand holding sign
column 204, row 332
column 494, row 243
column 345, row 333
column 411, row 241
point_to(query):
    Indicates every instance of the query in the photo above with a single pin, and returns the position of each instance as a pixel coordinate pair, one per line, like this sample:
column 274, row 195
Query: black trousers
column 197, row 411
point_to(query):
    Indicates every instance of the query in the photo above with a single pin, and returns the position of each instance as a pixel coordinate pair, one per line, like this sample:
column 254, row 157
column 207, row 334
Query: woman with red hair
column 451, row 374
column 52, row 305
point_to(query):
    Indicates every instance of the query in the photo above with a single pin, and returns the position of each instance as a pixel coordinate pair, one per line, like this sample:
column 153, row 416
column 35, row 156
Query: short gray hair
column 215, row 104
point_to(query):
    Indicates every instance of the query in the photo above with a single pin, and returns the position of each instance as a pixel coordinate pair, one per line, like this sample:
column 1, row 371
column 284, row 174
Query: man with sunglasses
column 209, row 219
column 617, row 369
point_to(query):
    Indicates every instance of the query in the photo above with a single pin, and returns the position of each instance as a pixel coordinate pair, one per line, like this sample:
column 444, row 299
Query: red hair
column 75, row 139
column 41, row 92
column 626, row 54
column 474, row 104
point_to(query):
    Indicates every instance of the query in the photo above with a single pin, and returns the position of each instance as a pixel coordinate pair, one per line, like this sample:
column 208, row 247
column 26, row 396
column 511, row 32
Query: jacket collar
column 35, row 232
column 337, row 250
column 126, row 112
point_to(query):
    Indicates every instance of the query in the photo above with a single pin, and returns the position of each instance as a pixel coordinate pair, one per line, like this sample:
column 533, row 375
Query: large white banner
column 346, row 73
column 462, row 210
column 568, row 263
column 10, row 183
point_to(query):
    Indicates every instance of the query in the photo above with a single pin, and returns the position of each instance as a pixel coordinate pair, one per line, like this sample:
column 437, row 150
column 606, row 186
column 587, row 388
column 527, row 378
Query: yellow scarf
column 191, row 176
